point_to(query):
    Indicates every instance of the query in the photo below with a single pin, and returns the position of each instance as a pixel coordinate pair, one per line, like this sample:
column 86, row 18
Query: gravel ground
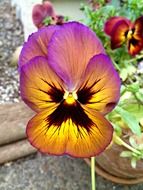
column 11, row 36
column 36, row 172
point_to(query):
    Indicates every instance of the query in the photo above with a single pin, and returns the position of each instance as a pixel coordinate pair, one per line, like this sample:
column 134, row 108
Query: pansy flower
column 44, row 11
column 121, row 30
column 68, row 80
column 96, row 4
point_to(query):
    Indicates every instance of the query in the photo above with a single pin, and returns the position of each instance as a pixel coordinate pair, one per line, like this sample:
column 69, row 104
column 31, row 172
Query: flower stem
column 134, row 59
column 93, row 180
column 119, row 141
column 116, row 65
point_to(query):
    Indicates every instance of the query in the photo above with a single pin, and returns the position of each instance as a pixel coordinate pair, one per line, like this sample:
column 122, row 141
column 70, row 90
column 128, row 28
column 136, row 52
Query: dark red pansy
column 121, row 30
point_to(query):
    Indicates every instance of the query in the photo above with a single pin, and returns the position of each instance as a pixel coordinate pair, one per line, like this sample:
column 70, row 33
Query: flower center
column 70, row 97
column 130, row 34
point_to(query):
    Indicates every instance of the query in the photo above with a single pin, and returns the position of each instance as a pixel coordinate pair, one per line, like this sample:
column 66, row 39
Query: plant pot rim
column 126, row 181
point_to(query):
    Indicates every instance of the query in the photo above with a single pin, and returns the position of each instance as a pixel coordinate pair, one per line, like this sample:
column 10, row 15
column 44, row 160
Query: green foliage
column 47, row 21
column 96, row 19
column 133, row 156
column 129, row 120
column 129, row 111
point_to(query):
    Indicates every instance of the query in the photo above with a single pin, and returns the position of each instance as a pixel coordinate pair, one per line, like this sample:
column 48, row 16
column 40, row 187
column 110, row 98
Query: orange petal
column 70, row 50
column 101, row 85
column 57, row 134
column 135, row 45
column 109, row 25
column 118, row 36
column 40, row 86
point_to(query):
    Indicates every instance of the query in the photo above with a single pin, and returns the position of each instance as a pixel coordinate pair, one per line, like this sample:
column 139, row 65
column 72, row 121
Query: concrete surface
column 39, row 172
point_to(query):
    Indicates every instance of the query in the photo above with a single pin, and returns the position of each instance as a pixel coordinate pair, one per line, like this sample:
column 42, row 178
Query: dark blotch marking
column 133, row 30
column 55, row 93
column 74, row 112
column 111, row 105
column 126, row 33
column 86, row 93
column 134, row 42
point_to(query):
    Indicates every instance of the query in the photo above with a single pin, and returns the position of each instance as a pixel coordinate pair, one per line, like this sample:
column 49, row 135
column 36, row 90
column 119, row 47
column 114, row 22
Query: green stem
column 134, row 59
column 116, row 65
column 93, row 180
column 119, row 141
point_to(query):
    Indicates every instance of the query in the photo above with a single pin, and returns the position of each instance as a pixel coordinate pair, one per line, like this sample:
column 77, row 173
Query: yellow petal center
column 70, row 97
column 130, row 34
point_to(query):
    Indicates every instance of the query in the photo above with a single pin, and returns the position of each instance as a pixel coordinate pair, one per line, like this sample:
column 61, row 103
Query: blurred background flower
column 44, row 14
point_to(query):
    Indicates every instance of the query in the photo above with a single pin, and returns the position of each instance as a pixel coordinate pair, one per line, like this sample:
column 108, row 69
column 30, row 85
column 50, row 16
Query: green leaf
column 117, row 129
column 134, row 87
column 124, row 74
column 135, row 109
column 47, row 20
column 126, row 154
column 139, row 95
column 131, row 69
column 129, row 119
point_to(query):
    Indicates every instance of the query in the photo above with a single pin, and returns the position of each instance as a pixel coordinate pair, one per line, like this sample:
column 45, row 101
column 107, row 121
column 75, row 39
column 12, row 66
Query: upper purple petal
column 36, row 44
column 70, row 50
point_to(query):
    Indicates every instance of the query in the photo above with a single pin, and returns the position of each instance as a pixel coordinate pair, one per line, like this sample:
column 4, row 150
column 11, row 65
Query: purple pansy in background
column 66, row 77
column 44, row 11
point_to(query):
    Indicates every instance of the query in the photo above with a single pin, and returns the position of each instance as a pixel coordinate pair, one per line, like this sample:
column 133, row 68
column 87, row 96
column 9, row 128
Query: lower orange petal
column 70, row 138
column 135, row 45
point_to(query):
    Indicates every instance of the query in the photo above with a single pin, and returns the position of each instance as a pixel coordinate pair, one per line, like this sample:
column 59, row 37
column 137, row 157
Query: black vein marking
column 55, row 93
column 86, row 93
column 74, row 112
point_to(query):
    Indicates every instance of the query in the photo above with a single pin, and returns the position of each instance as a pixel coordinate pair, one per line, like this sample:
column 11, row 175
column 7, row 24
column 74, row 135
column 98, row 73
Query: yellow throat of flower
column 130, row 34
column 70, row 97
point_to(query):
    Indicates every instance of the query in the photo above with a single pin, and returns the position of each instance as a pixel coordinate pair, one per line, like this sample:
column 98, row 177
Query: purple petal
column 37, row 44
column 70, row 50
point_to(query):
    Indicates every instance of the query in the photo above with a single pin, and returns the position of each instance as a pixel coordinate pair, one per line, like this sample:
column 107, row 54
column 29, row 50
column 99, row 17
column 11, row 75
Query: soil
column 36, row 172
